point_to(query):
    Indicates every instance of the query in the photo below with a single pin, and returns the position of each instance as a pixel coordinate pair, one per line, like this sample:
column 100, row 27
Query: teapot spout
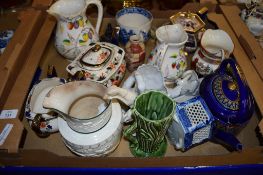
column 227, row 139
column 124, row 95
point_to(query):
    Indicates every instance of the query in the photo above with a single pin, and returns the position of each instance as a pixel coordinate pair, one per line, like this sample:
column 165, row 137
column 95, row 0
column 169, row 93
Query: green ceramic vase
column 152, row 113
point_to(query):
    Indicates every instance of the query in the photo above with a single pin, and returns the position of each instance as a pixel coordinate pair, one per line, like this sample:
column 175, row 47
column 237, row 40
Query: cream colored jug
column 74, row 31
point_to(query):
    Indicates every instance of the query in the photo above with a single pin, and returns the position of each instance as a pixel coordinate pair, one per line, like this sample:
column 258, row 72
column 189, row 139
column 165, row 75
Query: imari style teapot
column 74, row 31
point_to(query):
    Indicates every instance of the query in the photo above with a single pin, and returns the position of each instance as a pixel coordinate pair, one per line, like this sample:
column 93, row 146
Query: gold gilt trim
column 221, row 97
column 191, row 16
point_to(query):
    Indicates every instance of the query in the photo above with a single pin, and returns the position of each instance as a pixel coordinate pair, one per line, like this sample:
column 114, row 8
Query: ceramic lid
column 96, row 137
column 98, row 62
column 96, row 55
column 226, row 92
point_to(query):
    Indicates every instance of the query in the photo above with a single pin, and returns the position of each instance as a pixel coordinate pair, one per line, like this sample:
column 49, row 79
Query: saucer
column 99, row 143
column 34, row 106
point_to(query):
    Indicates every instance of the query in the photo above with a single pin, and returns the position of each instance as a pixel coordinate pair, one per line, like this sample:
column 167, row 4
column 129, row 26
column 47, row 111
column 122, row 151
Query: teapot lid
column 96, row 56
column 226, row 92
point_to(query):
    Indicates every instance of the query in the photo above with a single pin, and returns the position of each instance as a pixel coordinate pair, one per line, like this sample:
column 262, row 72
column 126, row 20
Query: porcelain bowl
column 133, row 21
column 99, row 143
column 44, row 120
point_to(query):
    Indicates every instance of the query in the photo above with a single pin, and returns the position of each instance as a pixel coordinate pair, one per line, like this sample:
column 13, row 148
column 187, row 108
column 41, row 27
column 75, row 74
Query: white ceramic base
column 99, row 143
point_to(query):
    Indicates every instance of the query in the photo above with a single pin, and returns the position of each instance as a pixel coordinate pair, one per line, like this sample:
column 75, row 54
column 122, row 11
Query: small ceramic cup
column 133, row 21
column 152, row 112
column 42, row 121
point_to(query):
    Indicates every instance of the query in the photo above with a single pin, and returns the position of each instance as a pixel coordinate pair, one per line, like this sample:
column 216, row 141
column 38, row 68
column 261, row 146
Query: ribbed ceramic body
column 152, row 112
column 98, row 143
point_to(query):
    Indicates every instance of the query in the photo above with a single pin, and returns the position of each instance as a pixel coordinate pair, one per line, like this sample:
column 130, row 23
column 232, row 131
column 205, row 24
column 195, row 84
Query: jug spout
column 67, row 8
column 124, row 95
column 53, row 13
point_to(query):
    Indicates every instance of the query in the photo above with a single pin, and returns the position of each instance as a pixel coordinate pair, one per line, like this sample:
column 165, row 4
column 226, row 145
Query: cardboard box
column 251, row 62
column 51, row 152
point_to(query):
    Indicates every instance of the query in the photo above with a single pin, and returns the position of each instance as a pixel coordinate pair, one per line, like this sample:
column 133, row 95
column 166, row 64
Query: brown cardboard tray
column 51, row 151
column 252, row 64
column 26, row 23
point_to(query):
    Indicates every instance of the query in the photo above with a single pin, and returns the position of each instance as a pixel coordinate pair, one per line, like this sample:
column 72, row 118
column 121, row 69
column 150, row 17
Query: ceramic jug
column 228, row 96
column 216, row 45
column 81, row 104
column 152, row 115
column 74, row 31
column 169, row 55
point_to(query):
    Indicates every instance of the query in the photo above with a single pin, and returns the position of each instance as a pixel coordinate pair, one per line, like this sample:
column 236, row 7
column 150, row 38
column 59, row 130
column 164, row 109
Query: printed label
column 8, row 127
column 5, row 114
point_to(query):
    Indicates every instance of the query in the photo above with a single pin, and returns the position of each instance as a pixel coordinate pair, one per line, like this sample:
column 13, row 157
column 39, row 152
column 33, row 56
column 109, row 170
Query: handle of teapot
column 241, row 82
column 100, row 12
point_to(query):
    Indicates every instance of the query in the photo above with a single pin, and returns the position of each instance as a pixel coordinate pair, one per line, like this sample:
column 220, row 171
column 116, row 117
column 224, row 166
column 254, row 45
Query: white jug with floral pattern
column 169, row 54
column 74, row 31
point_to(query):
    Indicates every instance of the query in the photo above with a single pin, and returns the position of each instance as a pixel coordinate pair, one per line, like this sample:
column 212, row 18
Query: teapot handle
column 241, row 82
column 100, row 12
column 235, row 72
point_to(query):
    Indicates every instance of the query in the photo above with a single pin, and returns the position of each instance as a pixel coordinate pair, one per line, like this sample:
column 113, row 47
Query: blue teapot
column 228, row 96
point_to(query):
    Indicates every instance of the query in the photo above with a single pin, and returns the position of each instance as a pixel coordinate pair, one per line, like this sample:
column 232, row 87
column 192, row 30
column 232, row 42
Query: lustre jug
column 74, row 31
column 81, row 104
column 216, row 45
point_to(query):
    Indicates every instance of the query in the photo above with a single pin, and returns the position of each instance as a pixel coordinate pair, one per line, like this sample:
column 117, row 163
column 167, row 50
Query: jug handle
column 100, row 12
column 228, row 139
column 128, row 133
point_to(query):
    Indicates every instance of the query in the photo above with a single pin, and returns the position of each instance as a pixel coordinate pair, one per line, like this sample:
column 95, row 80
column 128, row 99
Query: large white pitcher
column 74, row 31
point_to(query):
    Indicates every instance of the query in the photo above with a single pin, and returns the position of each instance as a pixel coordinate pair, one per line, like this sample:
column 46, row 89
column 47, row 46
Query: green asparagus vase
column 152, row 113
